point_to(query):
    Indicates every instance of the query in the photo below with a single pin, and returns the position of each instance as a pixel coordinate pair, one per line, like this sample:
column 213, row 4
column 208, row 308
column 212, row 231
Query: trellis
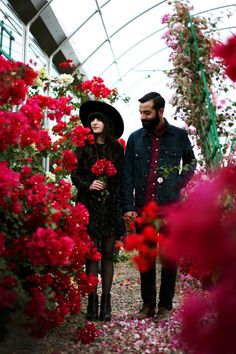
column 208, row 127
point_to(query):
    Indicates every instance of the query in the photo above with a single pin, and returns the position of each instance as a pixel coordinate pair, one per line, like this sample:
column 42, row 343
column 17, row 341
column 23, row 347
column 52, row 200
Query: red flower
column 122, row 143
column 228, row 53
column 97, row 87
column 68, row 161
column 146, row 243
column 67, row 64
column 37, row 303
column 104, row 168
column 88, row 333
column 47, row 247
column 80, row 134
column 119, row 245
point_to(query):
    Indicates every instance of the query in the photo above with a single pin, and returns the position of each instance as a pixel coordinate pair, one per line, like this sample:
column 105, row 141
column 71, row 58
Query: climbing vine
column 198, row 80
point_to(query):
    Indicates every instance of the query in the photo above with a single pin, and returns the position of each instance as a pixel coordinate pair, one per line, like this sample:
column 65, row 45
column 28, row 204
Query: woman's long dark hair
column 111, row 145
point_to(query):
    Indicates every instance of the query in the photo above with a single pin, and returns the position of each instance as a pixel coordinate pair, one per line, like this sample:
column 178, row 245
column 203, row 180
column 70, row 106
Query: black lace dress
column 105, row 214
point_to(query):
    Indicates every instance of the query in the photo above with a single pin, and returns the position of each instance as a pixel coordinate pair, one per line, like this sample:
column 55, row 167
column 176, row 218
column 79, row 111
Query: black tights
column 106, row 247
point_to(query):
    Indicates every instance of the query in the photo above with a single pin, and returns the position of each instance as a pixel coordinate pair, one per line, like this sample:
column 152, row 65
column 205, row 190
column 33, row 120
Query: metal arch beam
column 142, row 61
column 108, row 38
column 127, row 72
column 113, row 34
column 133, row 46
column 135, row 18
column 26, row 30
column 67, row 40
column 126, row 24
column 214, row 8
column 46, row 29
column 159, row 30
column 141, row 80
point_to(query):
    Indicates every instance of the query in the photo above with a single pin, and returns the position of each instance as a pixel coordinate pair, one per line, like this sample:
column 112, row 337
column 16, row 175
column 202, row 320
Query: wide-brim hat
column 98, row 106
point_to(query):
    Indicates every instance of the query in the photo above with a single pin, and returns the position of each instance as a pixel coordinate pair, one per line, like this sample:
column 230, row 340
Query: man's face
column 149, row 117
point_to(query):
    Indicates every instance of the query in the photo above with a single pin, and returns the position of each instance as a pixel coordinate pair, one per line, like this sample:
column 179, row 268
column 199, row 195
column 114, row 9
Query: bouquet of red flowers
column 103, row 169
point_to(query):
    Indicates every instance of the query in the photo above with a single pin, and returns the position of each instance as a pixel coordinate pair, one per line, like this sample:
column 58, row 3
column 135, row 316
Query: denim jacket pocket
column 138, row 160
column 170, row 157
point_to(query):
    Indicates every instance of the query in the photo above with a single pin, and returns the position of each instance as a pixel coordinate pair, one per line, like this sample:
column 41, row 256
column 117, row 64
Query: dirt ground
column 124, row 334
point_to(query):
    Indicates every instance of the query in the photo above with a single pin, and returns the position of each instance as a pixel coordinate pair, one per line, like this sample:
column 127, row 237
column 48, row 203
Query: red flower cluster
column 49, row 248
column 104, row 167
column 148, row 239
column 44, row 242
column 228, row 53
column 67, row 162
column 67, row 64
column 61, row 242
column 80, row 134
column 13, row 92
column 97, row 88
column 69, row 135
column 88, row 333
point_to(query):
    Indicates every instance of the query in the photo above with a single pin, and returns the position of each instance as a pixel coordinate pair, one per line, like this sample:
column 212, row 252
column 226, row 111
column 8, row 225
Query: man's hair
column 158, row 100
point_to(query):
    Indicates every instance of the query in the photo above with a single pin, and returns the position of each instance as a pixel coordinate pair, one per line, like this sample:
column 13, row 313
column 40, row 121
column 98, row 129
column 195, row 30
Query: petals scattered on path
column 124, row 334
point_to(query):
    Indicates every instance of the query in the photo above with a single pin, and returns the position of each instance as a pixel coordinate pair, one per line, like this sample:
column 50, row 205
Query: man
column 152, row 151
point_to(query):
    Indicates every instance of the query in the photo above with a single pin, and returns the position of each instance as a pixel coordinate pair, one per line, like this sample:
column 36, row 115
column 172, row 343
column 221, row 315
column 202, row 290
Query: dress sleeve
column 80, row 176
column 127, row 177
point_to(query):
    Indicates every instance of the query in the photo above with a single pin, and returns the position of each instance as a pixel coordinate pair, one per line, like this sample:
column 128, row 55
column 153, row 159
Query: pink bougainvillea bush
column 201, row 239
column 227, row 52
column 203, row 235
column 44, row 242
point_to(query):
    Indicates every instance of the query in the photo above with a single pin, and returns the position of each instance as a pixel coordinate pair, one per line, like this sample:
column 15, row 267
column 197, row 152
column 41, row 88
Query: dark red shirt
column 150, row 192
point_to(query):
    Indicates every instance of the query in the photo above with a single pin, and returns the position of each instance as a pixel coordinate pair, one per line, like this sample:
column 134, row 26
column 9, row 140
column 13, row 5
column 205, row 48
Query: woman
column 101, row 194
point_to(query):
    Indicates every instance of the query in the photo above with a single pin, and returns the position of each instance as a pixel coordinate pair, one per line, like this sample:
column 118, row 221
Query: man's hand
column 130, row 216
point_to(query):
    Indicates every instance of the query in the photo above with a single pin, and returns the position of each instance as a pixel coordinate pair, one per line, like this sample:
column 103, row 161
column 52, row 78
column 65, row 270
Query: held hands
column 97, row 185
column 129, row 217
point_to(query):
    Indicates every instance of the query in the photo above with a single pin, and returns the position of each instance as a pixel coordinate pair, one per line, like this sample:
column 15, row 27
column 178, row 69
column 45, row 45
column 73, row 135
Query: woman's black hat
column 98, row 106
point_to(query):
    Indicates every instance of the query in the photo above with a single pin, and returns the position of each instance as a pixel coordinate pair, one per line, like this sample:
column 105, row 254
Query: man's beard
column 151, row 124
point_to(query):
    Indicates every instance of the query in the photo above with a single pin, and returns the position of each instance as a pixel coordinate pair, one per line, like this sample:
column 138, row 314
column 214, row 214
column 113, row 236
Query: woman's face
column 97, row 125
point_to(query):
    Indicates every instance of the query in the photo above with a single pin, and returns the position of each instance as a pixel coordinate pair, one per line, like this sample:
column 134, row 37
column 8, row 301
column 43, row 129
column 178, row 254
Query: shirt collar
column 165, row 127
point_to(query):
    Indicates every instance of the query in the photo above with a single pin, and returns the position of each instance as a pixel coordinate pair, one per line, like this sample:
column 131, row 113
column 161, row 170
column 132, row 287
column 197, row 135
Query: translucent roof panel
column 117, row 13
column 95, row 64
column 121, row 41
column 73, row 13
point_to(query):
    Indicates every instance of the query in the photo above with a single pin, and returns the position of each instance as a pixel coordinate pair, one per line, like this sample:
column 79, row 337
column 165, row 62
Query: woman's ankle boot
column 105, row 314
column 92, row 308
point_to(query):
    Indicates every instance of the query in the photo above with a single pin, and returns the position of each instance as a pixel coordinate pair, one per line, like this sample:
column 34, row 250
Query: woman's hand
column 97, row 185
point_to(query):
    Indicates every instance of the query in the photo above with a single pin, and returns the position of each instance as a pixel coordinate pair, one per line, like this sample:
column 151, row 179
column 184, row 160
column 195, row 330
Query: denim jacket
column 175, row 153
